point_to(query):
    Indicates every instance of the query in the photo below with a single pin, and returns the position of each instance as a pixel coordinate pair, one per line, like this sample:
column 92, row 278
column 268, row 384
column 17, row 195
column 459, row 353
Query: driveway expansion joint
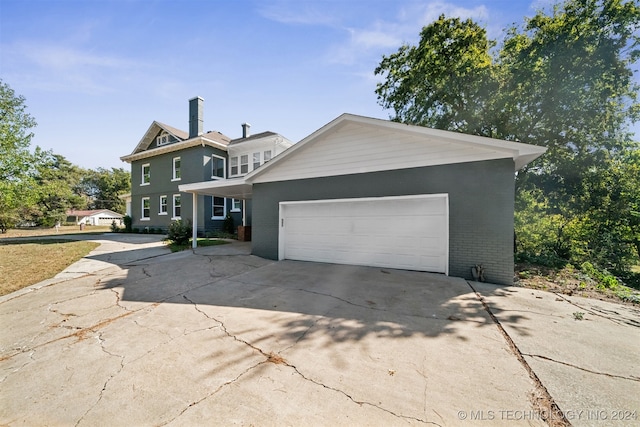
column 545, row 403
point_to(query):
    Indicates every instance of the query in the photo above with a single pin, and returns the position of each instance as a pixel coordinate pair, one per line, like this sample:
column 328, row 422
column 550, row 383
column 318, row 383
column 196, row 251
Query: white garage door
column 405, row 232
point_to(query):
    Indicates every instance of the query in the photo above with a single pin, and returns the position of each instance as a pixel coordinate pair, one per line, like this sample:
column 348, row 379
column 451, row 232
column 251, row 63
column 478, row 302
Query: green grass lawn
column 27, row 262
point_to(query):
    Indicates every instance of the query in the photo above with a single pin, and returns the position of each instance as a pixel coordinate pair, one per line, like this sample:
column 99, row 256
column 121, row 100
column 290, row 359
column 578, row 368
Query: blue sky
column 96, row 73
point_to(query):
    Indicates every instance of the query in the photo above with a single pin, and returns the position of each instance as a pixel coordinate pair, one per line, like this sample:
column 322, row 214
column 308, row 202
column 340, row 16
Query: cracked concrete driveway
column 134, row 335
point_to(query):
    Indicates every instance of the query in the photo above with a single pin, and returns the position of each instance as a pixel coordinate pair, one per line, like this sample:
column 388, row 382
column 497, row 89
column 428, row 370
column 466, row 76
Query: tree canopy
column 39, row 187
column 563, row 80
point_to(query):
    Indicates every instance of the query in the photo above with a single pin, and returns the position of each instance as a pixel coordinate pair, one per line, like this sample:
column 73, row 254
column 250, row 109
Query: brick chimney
column 195, row 116
column 245, row 130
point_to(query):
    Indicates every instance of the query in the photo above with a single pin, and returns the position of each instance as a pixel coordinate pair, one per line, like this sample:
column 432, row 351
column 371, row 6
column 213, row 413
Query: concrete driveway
column 134, row 335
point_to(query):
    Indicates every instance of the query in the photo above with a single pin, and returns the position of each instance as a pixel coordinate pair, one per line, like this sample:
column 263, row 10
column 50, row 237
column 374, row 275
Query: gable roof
column 213, row 138
column 83, row 213
column 356, row 144
column 353, row 144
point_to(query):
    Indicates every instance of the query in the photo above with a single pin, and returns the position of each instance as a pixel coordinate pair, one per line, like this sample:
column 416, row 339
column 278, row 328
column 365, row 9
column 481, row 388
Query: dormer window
column 162, row 139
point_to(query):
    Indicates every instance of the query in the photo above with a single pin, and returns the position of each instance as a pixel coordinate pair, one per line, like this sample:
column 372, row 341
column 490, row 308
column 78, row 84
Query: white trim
column 521, row 153
column 166, row 205
column 283, row 205
column 142, row 174
column 163, row 138
column 194, row 232
column 169, row 148
column 173, row 169
column 233, row 188
column 224, row 167
column 142, row 217
column 173, row 207
column 233, row 203
column 213, row 205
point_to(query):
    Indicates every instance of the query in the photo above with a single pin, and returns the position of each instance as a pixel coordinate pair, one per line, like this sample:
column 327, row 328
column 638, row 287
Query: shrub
column 179, row 232
column 228, row 225
column 128, row 221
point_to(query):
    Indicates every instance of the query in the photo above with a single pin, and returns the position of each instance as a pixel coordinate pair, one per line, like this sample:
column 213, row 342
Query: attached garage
column 410, row 232
column 372, row 192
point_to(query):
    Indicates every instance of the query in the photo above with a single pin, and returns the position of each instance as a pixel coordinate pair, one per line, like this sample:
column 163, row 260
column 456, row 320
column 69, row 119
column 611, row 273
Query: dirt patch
column 569, row 281
column 276, row 359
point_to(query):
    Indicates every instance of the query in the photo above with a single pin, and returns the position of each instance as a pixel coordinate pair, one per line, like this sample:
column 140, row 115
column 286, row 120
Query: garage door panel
column 408, row 232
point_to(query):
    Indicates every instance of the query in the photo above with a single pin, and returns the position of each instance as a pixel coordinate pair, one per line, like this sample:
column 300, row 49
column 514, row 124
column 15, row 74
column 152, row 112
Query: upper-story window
column 244, row 163
column 146, row 174
column 162, row 139
column 218, row 167
column 176, row 169
column 234, row 166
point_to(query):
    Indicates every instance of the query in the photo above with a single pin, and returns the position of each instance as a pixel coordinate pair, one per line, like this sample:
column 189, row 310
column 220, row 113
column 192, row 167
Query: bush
column 602, row 277
column 114, row 226
column 179, row 232
column 128, row 221
column 228, row 225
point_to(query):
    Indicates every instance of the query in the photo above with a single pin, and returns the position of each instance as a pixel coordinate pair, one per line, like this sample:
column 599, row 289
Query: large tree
column 445, row 82
column 103, row 188
column 563, row 80
column 16, row 160
column 58, row 189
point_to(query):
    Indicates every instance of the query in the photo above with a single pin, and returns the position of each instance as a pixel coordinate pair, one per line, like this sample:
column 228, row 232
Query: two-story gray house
column 167, row 157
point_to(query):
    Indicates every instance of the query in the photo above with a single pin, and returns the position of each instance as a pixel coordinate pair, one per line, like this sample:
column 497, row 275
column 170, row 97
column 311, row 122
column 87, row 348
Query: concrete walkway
column 135, row 335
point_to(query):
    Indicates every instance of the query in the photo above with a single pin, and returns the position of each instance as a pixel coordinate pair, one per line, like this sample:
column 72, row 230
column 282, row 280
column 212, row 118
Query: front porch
column 236, row 188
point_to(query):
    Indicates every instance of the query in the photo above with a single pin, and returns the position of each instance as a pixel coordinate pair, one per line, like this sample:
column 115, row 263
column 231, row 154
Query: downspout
column 194, row 232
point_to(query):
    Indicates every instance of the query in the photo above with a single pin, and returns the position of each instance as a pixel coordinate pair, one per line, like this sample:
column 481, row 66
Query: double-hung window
column 256, row 161
column 176, row 169
column 218, row 208
column 267, row 156
column 234, row 166
column 146, row 174
column 163, row 205
column 146, row 208
column 218, row 167
column 244, row 164
column 176, row 206
column 236, row 205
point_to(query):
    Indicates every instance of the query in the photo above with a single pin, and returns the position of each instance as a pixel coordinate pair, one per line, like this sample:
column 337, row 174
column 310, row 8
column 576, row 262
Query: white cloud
column 299, row 12
column 382, row 37
column 54, row 67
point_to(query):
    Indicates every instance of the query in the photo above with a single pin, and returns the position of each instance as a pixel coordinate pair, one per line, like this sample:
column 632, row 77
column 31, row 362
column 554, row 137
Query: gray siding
column 481, row 203
column 195, row 166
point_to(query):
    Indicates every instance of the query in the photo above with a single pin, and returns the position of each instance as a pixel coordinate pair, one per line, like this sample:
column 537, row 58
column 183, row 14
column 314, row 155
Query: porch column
column 194, row 233
column 244, row 212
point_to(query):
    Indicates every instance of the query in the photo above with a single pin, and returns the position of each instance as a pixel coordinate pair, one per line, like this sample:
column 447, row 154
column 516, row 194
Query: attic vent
column 162, row 139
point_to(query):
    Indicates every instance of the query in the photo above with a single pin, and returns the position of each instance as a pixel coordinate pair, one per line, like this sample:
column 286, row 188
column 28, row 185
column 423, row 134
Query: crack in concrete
column 539, row 356
column 596, row 312
column 19, row 368
column 277, row 359
column 552, row 414
column 106, row 383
